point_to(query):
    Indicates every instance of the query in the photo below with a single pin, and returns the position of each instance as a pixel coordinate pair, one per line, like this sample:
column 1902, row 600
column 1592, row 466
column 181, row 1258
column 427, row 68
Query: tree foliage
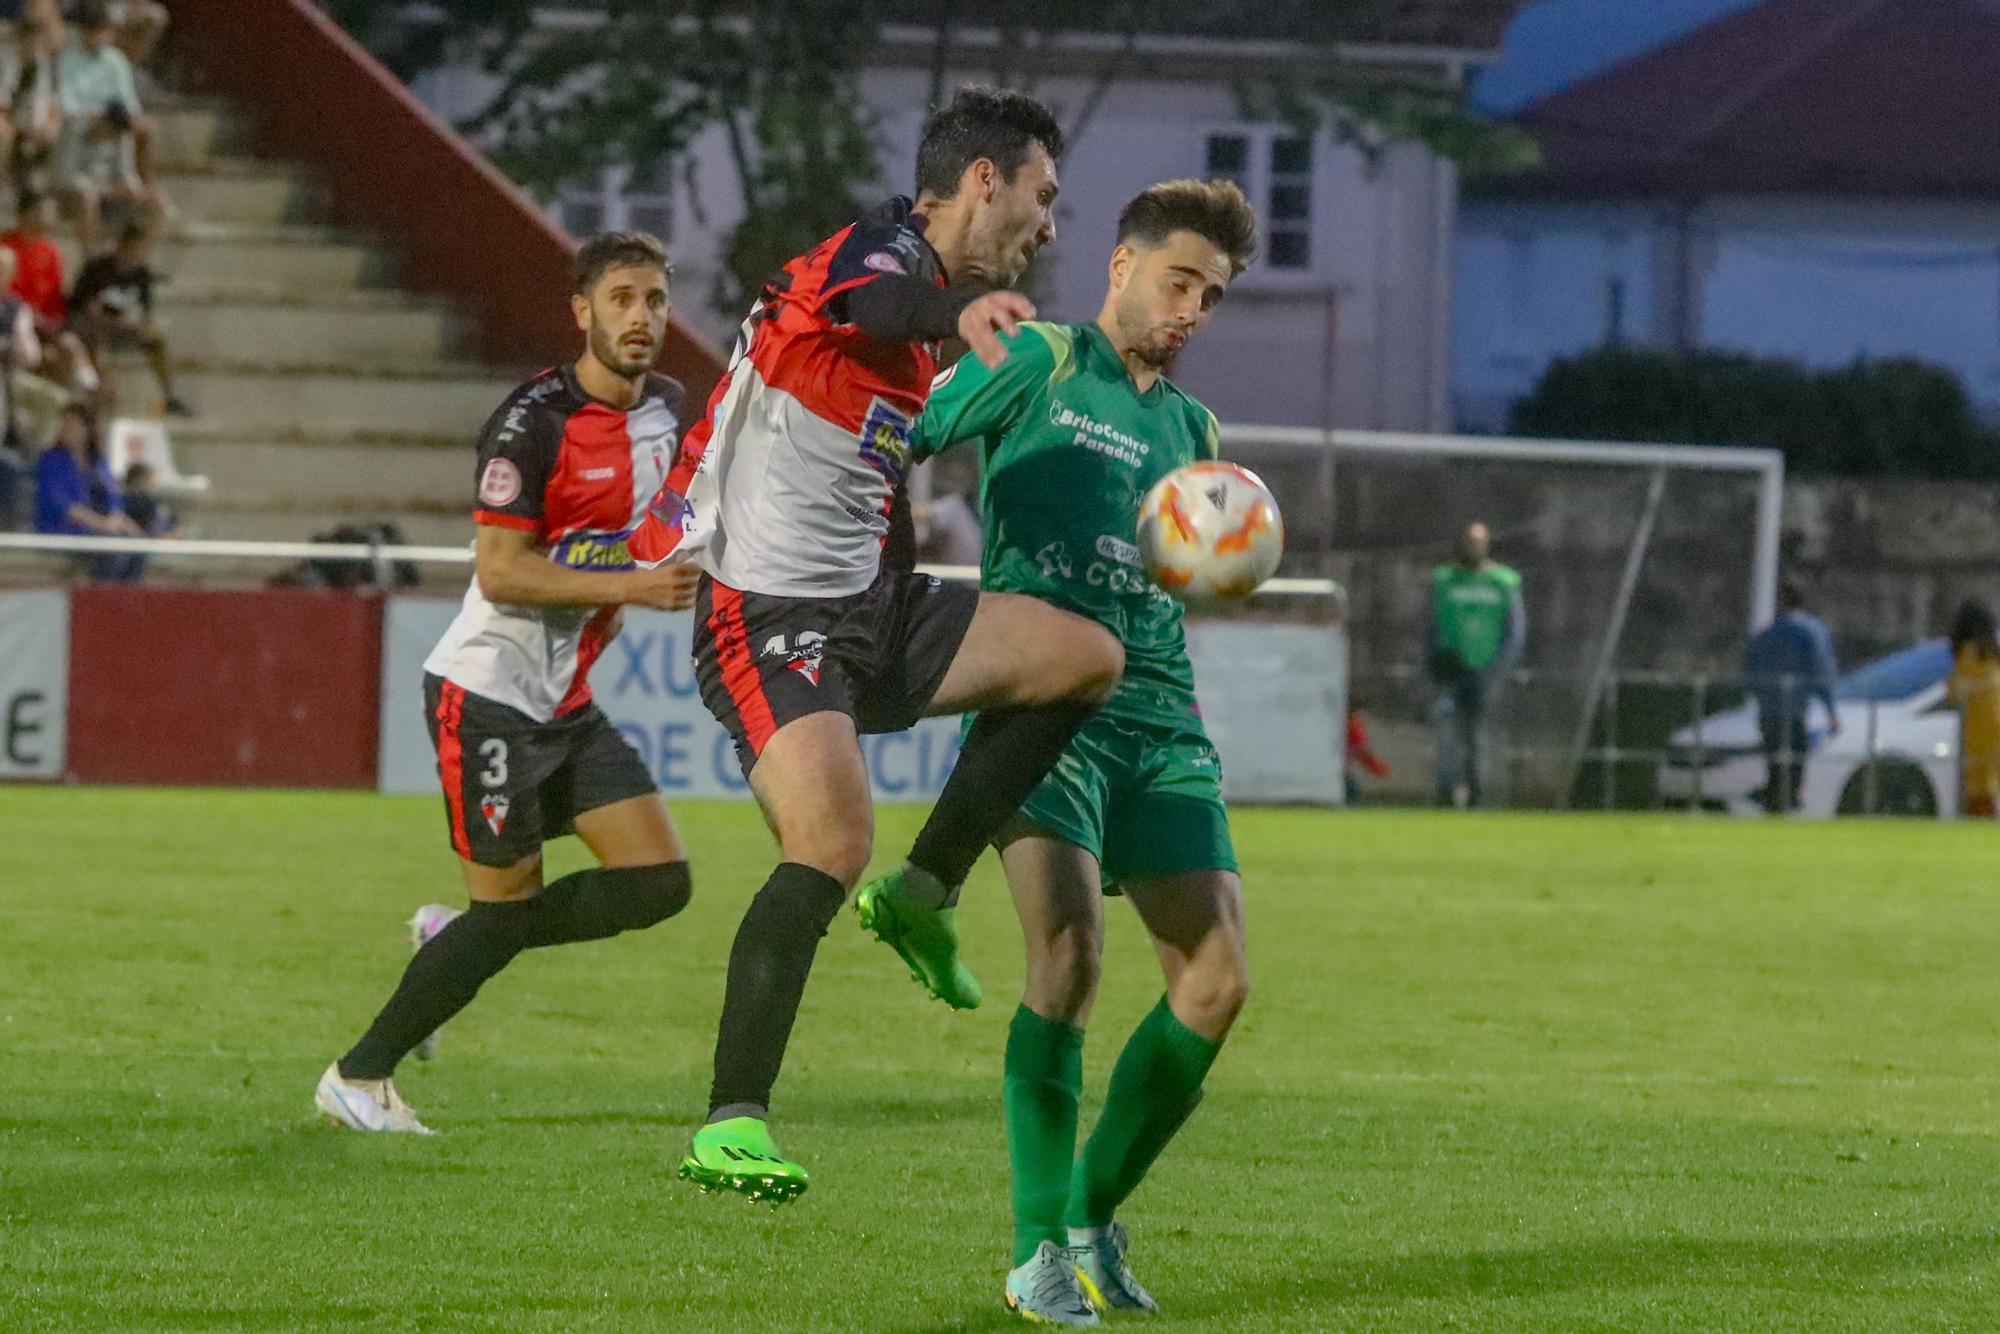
column 1892, row 417
column 638, row 81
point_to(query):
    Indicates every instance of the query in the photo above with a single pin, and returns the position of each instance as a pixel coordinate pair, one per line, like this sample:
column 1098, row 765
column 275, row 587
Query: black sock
column 451, row 967
column 767, row 975
column 1005, row 754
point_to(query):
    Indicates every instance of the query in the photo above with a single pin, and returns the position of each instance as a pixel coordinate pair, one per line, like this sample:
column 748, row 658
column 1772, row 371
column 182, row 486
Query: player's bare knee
column 1210, row 994
column 1097, row 665
column 840, row 853
column 1064, row 972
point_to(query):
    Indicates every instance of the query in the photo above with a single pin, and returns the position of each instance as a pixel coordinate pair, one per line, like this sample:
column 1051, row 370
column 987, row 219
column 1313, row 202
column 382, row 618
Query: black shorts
column 511, row 783
column 877, row 656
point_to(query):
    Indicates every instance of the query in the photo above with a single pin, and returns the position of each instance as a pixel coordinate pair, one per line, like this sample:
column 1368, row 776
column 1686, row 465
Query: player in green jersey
column 1074, row 427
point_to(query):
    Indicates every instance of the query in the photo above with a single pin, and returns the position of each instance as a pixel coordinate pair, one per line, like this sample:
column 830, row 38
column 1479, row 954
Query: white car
column 1893, row 710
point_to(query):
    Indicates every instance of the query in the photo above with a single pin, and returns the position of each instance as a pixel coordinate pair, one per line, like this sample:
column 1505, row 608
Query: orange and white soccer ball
column 1210, row 532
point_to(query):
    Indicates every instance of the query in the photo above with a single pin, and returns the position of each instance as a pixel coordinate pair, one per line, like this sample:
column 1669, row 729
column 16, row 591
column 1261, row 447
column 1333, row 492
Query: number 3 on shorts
column 494, row 750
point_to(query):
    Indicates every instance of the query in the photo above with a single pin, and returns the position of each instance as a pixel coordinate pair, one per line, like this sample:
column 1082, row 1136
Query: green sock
column 1154, row 1089
column 1044, row 1084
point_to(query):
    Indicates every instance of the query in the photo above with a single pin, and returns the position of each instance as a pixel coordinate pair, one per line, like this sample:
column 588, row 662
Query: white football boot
column 365, row 1104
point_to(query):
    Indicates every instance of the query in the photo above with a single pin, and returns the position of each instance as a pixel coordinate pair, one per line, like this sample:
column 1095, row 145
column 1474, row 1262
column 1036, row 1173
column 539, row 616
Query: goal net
column 1643, row 567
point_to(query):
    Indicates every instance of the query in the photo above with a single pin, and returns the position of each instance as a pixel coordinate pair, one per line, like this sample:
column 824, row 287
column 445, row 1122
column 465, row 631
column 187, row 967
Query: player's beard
column 614, row 358
column 1144, row 339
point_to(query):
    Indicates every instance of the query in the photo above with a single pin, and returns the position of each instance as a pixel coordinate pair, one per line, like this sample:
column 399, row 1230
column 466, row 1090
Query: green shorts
column 1144, row 799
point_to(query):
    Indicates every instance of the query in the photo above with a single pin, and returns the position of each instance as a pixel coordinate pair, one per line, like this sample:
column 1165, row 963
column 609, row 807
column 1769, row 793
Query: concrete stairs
column 325, row 393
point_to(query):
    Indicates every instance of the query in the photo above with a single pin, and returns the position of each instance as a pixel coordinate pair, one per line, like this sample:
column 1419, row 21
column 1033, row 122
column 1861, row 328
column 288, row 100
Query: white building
column 1346, row 321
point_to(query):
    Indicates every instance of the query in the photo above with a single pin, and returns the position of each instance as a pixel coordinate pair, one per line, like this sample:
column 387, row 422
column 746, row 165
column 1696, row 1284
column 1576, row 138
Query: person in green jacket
column 1478, row 629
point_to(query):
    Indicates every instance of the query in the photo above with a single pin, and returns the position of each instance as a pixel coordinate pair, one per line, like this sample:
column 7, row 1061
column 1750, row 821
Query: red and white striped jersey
column 785, row 487
column 578, row 473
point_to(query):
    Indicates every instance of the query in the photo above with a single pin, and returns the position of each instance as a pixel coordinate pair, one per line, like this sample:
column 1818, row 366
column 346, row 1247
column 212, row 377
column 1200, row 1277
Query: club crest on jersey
column 500, row 483
column 494, row 808
column 885, row 440
column 802, row 654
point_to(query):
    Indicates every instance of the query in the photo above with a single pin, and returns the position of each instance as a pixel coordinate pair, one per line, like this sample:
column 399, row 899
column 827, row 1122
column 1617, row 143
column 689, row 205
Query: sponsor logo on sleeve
column 884, row 262
column 500, row 483
column 885, row 440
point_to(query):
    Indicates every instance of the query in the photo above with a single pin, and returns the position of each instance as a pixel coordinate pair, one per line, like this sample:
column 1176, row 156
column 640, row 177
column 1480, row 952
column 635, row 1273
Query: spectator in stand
column 75, row 494
column 38, row 281
column 105, row 152
column 140, row 24
column 1975, row 690
column 36, row 109
column 1788, row 665
column 111, row 307
column 154, row 519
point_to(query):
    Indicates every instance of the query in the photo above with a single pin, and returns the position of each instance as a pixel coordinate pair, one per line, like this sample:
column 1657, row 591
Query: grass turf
column 1497, row 1072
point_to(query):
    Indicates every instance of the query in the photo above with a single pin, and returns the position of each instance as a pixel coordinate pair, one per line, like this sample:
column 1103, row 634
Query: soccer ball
column 1210, row 532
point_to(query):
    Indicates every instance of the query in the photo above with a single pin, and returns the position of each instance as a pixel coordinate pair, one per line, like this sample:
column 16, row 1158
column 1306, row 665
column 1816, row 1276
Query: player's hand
column 666, row 587
column 981, row 324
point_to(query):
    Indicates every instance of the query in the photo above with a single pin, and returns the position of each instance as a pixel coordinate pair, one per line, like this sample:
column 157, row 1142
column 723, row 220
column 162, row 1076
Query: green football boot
column 737, row 1154
column 927, row 938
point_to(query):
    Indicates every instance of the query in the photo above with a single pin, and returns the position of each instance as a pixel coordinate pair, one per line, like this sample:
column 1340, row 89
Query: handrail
column 384, row 554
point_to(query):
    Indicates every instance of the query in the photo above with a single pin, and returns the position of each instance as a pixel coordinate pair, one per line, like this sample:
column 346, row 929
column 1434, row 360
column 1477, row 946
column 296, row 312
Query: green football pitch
column 1497, row 1072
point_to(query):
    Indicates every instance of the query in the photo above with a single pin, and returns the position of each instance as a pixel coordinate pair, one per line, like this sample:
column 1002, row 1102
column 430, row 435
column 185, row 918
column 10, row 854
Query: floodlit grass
column 1497, row 1072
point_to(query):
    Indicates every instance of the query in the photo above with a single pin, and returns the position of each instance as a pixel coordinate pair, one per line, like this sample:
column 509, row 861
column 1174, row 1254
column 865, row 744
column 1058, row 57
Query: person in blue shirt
column 1788, row 665
column 75, row 493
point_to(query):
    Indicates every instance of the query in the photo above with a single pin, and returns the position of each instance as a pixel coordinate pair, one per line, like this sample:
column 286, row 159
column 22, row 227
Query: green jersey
column 1475, row 613
column 1068, row 449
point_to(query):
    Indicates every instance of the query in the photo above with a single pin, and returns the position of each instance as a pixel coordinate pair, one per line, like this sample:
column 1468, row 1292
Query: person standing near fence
column 1975, row 690
column 1788, row 665
column 1478, row 631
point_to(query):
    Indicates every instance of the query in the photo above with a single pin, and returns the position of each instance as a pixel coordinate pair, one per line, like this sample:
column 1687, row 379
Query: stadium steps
column 326, row 392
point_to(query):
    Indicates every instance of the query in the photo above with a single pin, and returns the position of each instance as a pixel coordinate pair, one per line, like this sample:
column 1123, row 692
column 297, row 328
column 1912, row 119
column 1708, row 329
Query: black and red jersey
column 784, row 488
column 579, row 474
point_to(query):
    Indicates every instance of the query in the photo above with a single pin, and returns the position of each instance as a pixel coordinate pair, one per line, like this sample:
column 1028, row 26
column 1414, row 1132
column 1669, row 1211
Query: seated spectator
column 153, row 517
column 38, row 281
column 75, row 494
column 104, row 153
column 29, row 404
column 35, row 109
column 111, row 308
column 140, row 24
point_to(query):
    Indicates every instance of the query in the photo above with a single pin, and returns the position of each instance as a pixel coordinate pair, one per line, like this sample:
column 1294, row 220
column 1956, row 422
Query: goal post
column 1636, row 558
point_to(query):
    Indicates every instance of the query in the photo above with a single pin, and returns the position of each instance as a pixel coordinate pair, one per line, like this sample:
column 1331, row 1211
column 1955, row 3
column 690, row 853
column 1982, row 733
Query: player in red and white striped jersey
column 787, row 495
column 567, row 467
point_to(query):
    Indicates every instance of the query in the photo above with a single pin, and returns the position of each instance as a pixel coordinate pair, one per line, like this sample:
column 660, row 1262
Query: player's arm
column 885, row 282
column 512, row 572
column 518, row 448
column 975, row 399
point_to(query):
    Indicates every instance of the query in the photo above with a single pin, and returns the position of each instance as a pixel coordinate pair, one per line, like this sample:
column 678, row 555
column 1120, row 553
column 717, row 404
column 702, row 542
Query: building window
column 1275, row 169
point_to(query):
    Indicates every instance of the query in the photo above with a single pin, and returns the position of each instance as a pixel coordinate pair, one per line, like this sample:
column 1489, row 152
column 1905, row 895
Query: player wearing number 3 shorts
column 567, row 467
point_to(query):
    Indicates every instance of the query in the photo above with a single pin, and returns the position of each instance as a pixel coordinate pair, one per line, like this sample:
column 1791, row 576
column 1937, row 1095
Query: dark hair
column 93, row 444
column 1791, row 595
column 133, row 231
column 92, row 14
column 1213, row 210
column 29, row 200
column 1974, row 624
column 616, row 250
column 992, row 123
column 137, row 468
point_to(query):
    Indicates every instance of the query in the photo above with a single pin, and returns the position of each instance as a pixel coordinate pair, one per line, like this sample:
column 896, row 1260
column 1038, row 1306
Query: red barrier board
column 271, row 688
